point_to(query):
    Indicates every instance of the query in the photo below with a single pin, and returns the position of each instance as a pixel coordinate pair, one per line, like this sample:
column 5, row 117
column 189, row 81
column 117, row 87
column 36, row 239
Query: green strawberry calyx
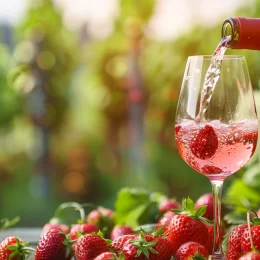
column 189, row 210
column 160, row 232
column 68, row 242
column 143, row 246
column 20, row 250
column 198, row 256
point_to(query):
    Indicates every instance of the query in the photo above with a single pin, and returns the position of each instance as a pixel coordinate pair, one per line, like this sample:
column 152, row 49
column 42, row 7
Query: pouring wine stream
column 212, row 76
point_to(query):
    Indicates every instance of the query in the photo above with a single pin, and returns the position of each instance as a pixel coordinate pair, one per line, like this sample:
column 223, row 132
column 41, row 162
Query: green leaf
column 134, row 207
column 200, row 211
column 188, row 205
column 241, row 197
column 153, row 251
column 206, row 221
column 121, row 256
column 12, row 247
column 158, row 232
column 252, row 176
column 234, row 218
column 146, row 252
column 100, row 233
column 198, row 256
column 178, row 211
column 13, row 254
column 157, row 197
column 108, row 241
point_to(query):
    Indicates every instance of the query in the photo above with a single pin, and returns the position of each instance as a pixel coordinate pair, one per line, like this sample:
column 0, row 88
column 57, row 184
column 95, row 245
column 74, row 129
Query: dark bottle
column 244, row 32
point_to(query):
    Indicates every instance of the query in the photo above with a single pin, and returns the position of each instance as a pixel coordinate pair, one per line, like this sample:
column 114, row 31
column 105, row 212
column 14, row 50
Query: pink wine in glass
column 216, row 123
column 216, row 149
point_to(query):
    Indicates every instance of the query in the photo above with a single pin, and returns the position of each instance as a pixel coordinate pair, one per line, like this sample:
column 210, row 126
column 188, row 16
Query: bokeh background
column 89, row 90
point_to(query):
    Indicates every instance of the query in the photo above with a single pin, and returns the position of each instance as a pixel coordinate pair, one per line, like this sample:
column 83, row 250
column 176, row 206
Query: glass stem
column 217, row 190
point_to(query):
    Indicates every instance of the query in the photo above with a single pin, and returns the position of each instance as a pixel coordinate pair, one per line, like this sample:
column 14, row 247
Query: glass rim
column 225, row 57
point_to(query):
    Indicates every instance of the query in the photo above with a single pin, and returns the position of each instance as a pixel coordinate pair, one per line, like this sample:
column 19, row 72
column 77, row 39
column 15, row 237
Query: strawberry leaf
column 234, row 218
column 256, row 221
column 146, row 252
column 68, row 251
column 13, row 254
column 198, row 256
column 188, row 205
column 200, row 211
column 100, row 233
column 143, row 246
column 121, row 256
column 108, row 241
column 135, row 207
column 206, row 221
column 139, row 252
column 158, row 232
column 12, row 247
column 153, row 251
column 179, row 211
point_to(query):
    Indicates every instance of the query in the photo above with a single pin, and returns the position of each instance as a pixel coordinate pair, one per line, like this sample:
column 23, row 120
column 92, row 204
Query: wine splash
column 212, row 76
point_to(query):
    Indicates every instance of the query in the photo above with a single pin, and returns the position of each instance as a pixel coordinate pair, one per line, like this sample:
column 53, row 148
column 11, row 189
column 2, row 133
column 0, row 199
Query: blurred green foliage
column 77, row 89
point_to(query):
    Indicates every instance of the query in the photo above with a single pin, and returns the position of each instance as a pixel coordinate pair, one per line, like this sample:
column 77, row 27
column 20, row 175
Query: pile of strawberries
column 181, row 233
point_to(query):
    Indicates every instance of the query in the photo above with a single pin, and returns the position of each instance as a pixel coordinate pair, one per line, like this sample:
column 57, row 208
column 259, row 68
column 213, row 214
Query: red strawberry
column 63, row 228
column 191, row 250
column 103, row 218
column 13, row 246
column 251, row 138
column 245, row 239
column 250, row 256
column 119, row 231
column 106, row 256
column 53, row 245
column 85, row 228
column 95, row 215
column 147, row 246
column 209, row 244
column 177, row 129
column 188, row 226
column 165, row 220
column 168, row 204
column 208, row 169
column 234, row 250
column 205, row 144
column 130, row 251
column 162, row 247
column 90, row 246
column 206, row 200
column 118, row 244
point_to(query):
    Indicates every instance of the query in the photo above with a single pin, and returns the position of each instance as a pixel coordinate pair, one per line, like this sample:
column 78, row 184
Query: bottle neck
column 244, row 32
column 230, row 28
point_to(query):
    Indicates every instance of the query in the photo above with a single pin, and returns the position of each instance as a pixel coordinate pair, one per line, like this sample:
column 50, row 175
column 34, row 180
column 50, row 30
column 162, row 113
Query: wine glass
column 216, row 131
